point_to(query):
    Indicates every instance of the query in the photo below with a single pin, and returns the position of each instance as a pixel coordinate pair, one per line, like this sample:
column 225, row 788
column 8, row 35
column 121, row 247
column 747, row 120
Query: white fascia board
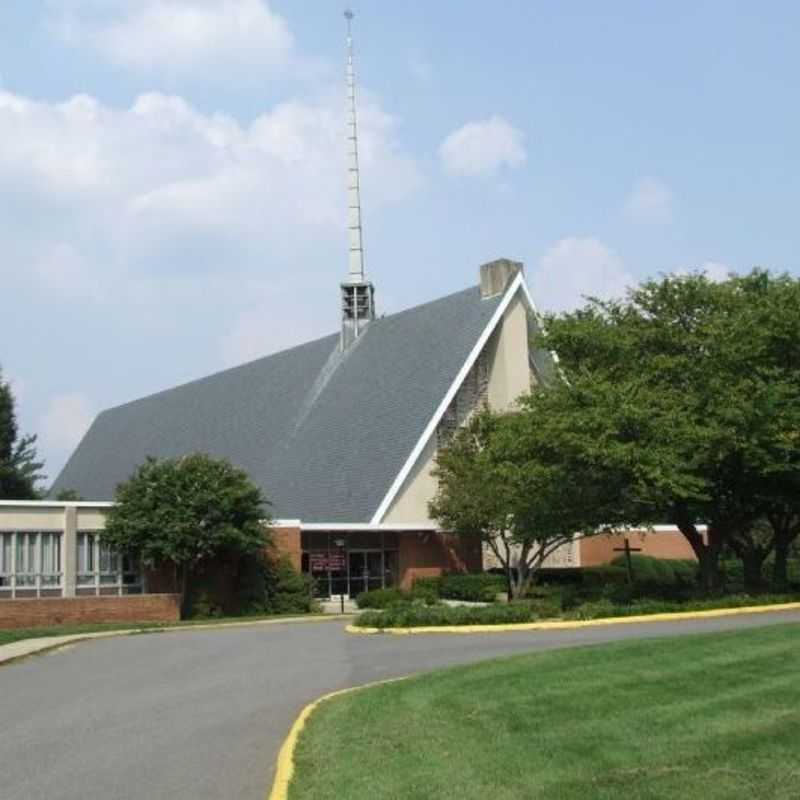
column 368, row 526
column 284, row 523
column 657, row 529
column 55, row 504
column 451, row 393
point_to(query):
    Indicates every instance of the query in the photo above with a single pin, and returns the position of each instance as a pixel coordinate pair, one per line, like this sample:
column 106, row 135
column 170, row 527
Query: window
column 30, row 564
column 101, row 570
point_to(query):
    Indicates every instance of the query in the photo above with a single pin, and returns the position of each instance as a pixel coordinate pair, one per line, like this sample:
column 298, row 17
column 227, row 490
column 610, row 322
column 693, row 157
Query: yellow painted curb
column 284, row 769
column 584, row 623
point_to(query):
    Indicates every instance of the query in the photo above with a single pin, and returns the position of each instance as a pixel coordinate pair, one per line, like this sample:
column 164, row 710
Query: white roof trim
column 368, row 526
column 451, row 393
column 55, row 504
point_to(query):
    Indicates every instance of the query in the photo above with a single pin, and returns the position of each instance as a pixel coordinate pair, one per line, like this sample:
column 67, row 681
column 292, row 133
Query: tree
column 753, row 546
column 66, row 495
column 19, row 467
column 185, row 511
column 500, row 478
column 693, row 388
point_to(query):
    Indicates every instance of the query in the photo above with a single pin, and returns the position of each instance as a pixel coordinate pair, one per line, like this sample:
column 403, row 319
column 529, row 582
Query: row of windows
column 30, row 565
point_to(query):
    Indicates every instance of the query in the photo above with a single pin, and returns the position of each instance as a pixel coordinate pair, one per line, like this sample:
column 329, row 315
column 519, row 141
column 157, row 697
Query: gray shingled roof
column 323, row 433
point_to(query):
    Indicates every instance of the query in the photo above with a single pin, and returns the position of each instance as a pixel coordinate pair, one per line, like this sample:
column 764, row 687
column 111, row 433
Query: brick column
column 69, row 543
column 286, row 542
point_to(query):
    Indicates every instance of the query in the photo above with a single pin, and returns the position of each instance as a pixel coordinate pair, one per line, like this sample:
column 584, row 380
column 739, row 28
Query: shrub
column 411, row 615
column 482, row 588
column 733, row 571
column 289, row 591
column 662, row 578
column 273, row 586
column 204, row 607
column 381, row 598
column 598, row 577
column 606, row 608
column 560, row 575
column 428, row 589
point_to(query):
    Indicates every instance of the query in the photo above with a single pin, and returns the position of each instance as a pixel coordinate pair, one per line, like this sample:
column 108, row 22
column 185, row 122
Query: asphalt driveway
column 202, row 714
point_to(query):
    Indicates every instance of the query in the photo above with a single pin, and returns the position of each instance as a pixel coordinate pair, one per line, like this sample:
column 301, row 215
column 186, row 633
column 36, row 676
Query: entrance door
column 366, row 571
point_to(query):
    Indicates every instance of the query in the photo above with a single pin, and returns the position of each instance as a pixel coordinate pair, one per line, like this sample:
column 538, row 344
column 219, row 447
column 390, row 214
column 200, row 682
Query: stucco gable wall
column 509, row 376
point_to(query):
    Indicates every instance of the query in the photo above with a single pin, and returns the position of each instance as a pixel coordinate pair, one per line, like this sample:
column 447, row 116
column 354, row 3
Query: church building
column 340, row 433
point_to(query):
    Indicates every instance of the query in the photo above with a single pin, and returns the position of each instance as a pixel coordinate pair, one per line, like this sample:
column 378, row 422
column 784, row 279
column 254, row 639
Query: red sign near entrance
column 327, row 562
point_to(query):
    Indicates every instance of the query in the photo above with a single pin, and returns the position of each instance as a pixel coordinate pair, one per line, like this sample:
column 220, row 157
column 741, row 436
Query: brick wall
column 83, row 610
column 286, row 541
column 429, row 555
column 658, row 544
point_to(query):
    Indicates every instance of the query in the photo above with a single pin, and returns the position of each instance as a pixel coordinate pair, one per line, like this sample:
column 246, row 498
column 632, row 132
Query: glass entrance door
column 366, row 571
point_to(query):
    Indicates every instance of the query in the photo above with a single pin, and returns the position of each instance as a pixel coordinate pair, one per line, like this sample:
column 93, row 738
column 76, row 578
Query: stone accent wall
column 474, row 392
column 430, row 554
column 85, row 610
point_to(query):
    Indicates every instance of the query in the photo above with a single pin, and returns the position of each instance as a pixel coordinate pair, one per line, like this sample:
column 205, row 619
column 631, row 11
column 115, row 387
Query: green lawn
column 17, row 634
column 707, row 717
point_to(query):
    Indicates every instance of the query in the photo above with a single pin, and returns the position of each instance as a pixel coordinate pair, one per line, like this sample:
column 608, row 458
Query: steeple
column 358, row 294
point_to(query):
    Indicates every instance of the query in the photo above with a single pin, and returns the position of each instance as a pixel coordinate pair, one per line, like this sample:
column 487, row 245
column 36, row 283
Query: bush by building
column 412, row 615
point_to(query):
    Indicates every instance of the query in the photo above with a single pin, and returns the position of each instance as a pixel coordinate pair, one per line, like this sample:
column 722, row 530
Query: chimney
column 497, row 275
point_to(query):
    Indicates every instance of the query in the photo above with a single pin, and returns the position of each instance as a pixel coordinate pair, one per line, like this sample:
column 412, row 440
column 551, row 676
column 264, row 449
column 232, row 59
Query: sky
column 173, row 186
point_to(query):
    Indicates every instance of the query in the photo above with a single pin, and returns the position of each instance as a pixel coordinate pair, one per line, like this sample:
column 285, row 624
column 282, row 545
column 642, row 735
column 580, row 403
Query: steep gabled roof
column 323, row 433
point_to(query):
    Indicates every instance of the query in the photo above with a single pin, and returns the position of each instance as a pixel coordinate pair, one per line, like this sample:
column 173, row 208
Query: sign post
column 627, row 549
column 341, row 560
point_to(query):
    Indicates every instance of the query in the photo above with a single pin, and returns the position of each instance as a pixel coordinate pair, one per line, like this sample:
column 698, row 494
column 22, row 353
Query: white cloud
column 65, row 421
column 63, row 270
column 177, row 35
column 578, row 267
column 483, row 147
column 650, row 201
column 129, row 184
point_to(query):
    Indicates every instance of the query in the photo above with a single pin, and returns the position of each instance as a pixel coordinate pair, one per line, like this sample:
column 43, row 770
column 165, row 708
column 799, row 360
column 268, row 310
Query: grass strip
column 705, row 717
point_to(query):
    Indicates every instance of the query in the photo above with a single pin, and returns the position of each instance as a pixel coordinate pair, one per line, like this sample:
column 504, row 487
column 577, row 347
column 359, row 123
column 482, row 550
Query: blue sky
column 172, row 171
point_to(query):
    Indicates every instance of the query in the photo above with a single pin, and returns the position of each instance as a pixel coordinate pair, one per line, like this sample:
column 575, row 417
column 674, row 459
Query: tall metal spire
column 358, row 294
column 356, row 261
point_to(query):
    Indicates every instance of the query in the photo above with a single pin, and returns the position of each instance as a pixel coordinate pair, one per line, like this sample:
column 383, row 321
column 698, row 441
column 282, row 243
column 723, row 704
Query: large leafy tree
column 691, row 388
column 19, row 466
column 184, row 511
column 501, row 478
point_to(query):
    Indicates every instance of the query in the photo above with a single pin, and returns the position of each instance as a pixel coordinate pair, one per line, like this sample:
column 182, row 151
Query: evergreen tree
column 19, row 466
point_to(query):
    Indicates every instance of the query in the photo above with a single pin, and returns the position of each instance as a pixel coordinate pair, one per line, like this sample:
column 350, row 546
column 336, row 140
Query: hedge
column 660, row 571
column 482, row 588
column 416, row 615
column 381, row 598
column 605, row 608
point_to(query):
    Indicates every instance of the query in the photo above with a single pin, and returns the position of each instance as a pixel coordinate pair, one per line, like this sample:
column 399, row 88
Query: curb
column 284, row 768
column 23, row 648
column 571, row 624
